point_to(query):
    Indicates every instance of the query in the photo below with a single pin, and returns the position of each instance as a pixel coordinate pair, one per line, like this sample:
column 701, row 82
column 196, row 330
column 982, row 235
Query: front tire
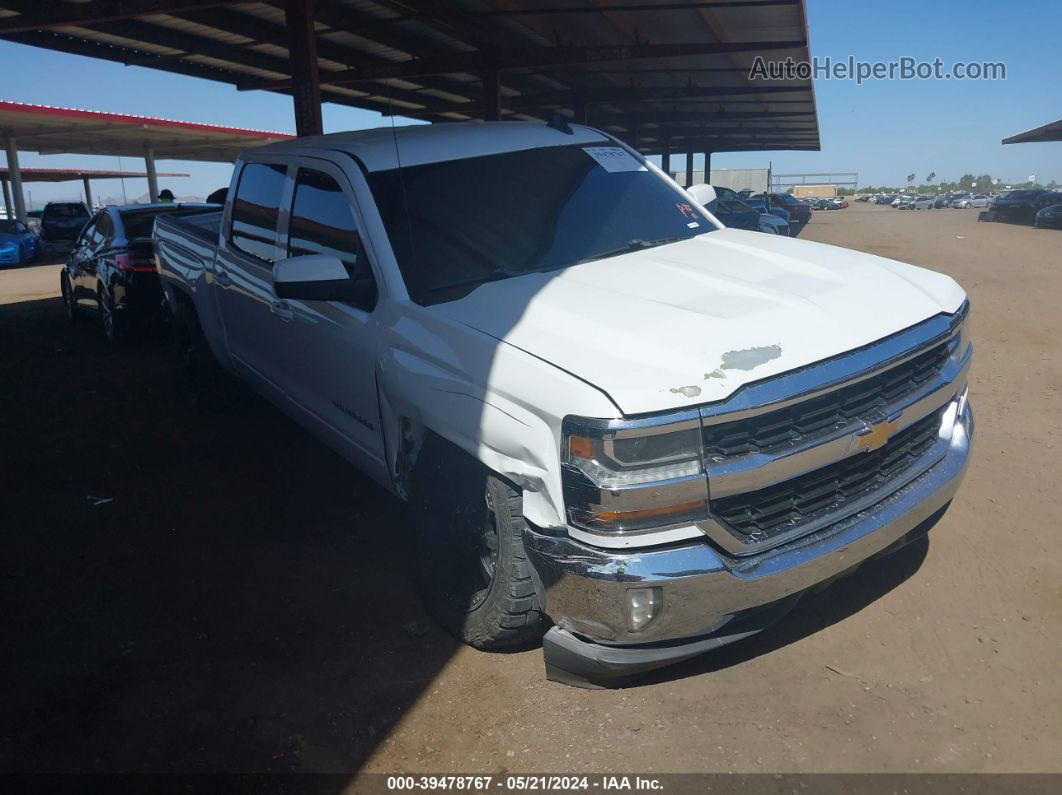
column 472, row 569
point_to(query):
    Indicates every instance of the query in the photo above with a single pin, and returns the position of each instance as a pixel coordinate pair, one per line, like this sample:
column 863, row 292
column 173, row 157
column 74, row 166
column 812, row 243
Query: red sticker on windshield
column 686, row 210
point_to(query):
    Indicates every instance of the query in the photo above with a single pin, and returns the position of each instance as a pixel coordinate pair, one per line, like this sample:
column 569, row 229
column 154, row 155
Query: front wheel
column 472, row 569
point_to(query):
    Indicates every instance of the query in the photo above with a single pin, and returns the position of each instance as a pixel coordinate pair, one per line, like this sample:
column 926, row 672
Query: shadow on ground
column 182, row 592
column 841, row 599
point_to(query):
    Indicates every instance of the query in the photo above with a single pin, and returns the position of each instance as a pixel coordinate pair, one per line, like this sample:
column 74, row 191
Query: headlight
column 627, row 476
column 961, row 345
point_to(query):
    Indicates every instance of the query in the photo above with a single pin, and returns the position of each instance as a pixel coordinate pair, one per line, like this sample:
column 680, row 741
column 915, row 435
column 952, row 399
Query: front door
column 325, row 350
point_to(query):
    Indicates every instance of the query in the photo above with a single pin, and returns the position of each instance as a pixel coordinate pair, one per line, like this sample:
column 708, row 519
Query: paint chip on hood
column 750, row 358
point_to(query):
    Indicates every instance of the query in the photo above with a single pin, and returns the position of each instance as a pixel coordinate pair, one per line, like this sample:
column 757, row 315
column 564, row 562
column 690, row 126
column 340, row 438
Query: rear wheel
column 472, row 569
column 201, row 381
column 69, row 302
column 108, row 317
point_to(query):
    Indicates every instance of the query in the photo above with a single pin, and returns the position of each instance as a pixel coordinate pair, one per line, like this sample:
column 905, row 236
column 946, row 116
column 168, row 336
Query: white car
column 923, row 203
column 621, row 428
column 773, row 225
column 977, row 200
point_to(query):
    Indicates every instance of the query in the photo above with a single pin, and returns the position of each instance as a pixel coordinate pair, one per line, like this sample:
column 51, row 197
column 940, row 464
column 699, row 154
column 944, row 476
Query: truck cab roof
column 385, row 148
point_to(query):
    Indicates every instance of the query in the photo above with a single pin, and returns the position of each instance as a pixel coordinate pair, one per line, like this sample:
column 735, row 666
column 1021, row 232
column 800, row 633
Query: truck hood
column 691, row 322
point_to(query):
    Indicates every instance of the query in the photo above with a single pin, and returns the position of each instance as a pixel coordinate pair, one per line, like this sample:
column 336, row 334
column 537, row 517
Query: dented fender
column 499, row 404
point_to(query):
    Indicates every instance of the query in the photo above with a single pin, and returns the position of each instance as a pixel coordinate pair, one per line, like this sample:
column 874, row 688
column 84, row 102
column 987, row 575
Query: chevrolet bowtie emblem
column 873, row 437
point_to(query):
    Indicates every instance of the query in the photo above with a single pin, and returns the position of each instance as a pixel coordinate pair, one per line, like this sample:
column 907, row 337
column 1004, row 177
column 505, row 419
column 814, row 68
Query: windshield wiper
column 632, row 245
column 491, row 276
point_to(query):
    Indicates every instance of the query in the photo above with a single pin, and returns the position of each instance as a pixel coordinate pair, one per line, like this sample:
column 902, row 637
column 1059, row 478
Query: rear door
column 325, row 350
column 83, row 265
column 243, row 271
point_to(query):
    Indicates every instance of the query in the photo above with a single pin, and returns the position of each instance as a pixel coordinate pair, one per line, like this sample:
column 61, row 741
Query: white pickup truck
column 622, row 430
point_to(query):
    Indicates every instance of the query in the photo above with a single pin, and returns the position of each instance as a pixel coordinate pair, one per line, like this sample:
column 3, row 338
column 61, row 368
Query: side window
column 104, row 230
column 255, row 210
column 322, row 222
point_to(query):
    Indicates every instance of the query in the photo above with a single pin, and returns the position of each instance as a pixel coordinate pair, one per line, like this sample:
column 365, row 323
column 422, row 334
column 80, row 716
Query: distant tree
column 932, row 176
column 910, row 179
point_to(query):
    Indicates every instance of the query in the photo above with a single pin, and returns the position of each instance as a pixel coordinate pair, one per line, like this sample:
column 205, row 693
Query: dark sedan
column 111, row 270
column 1050, row 217
column 1023, row 205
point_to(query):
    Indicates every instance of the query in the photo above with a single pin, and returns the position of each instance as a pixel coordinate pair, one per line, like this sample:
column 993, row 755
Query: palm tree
column 910, row 179
column 930, row 178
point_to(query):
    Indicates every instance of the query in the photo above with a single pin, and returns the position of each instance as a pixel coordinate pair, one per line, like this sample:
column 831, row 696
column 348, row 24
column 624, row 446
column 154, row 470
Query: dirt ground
column 242, row 601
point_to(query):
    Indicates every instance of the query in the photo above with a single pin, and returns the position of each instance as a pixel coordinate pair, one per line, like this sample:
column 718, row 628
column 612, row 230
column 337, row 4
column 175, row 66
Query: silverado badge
column 873, row 437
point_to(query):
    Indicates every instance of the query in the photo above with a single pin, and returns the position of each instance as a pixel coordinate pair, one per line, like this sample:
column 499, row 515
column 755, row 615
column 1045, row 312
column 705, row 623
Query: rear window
column 255, row 209
column 140, row 225
column 457, row 224
column 66, row 211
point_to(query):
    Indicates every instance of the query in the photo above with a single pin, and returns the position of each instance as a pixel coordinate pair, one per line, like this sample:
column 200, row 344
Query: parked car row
column 18, row 244
column 110, row 272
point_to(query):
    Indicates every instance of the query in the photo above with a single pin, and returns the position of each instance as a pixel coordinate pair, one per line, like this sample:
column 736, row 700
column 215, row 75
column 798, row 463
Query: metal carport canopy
column 49, row 130
column 1049, row 132
column 663, row 75
column 86, row 175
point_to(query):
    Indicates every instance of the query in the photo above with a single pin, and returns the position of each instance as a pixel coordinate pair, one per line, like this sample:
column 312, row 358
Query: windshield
column 66, row 211
column 9, row 228
column 460, row 223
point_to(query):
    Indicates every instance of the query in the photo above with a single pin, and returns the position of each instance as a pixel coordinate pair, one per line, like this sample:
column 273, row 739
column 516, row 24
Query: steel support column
column 7, row 199
column 689, row 169
column 152, row 177
column 707, row 167
column 88, row 192
column 491, row 95
column 15, row 175
column 665, row 158
column 306, row 82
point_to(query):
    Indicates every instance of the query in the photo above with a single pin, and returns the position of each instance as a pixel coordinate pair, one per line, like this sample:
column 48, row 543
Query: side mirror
column 702, row 194
column 320, row 277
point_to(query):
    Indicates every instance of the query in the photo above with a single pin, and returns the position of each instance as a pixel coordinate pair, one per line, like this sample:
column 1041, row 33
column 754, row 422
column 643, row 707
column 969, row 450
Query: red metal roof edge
column 97, row 115
column 97, row 173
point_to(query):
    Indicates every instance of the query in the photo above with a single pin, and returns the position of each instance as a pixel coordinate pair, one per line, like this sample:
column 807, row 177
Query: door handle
column 222, row 278
column 282, row 310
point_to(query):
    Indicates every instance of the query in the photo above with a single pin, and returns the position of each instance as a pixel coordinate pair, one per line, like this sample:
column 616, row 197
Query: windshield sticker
column 614, row 158
column 693, row 224
column 686, row 210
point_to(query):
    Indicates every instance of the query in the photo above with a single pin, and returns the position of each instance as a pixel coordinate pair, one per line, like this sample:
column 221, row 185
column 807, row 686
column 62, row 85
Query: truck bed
column 185, row 246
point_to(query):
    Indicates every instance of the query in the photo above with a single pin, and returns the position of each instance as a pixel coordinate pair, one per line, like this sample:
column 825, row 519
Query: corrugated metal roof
column 620, row 59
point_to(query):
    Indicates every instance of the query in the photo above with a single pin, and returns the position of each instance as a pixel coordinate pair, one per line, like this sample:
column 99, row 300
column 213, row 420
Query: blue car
column 17, row 243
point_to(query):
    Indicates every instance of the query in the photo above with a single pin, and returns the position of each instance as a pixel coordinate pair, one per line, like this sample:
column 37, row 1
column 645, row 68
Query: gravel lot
column 242, row 603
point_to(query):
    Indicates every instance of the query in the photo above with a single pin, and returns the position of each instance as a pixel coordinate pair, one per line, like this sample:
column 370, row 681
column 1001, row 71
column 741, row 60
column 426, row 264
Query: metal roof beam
column 533, row 57
column 566, row 99
column 40, row 16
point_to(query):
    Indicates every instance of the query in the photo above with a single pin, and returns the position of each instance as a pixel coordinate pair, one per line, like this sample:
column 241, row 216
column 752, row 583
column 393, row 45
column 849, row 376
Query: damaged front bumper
column 710, row 599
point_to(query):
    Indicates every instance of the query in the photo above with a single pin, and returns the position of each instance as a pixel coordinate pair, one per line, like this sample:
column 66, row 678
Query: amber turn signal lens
column 581, row 447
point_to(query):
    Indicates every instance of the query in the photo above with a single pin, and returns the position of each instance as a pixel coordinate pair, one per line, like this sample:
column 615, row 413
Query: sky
column 883, row 130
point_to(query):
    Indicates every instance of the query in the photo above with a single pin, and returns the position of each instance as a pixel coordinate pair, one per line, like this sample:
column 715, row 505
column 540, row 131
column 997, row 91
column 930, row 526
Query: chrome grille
column 759, row 515
column 773, row 431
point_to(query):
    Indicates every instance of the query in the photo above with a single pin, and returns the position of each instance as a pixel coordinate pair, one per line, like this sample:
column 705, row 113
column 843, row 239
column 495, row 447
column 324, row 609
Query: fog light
column 643, row 605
